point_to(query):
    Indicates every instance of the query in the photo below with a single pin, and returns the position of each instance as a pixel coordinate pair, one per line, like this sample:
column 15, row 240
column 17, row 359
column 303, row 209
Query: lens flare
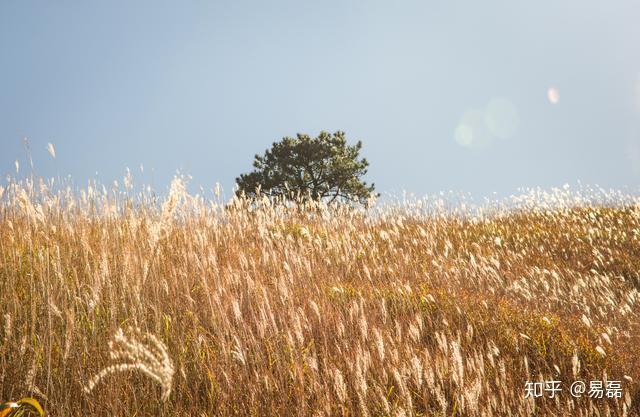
column 478, row 128
column 553, row 95
column 472, row 131
column 501, row 118
column 464, row 135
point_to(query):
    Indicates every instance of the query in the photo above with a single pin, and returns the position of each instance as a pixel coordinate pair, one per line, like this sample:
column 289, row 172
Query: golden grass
column 267, row 310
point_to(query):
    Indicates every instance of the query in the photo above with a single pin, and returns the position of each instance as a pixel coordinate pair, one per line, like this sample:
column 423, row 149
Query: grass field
column 114, row 305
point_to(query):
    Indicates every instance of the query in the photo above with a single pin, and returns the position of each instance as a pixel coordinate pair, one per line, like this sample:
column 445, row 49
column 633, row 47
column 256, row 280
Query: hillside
column 268, row 310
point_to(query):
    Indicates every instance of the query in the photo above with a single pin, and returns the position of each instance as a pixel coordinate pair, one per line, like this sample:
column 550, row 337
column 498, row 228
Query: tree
column 321, row 168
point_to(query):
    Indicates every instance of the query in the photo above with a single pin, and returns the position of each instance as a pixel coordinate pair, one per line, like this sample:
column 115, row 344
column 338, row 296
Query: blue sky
column 445, row 95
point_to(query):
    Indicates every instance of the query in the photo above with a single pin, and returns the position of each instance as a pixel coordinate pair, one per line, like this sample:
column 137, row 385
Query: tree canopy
column 322, row 168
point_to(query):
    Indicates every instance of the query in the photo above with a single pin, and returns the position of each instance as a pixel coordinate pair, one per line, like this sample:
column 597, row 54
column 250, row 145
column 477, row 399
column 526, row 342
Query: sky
column 470, row 96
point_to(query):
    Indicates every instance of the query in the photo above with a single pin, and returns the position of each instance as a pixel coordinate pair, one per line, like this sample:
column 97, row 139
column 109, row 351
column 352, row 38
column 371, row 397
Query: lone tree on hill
column 321, row 168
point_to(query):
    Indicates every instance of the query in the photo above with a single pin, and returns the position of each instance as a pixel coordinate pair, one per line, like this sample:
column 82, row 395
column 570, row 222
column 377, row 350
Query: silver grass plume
column 138, row 351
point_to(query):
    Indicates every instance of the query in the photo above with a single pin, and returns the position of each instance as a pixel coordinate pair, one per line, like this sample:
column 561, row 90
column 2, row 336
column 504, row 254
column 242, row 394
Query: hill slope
column 314, row 311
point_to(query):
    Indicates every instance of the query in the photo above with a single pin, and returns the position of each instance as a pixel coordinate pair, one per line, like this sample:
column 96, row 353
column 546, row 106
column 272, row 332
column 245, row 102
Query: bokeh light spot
column 472, row 131
column 464, row 135
column 501, row 118
column 553, row 95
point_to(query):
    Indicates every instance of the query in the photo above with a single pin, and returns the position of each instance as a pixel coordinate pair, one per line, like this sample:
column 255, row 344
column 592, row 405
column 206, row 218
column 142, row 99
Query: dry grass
column 302, row 311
